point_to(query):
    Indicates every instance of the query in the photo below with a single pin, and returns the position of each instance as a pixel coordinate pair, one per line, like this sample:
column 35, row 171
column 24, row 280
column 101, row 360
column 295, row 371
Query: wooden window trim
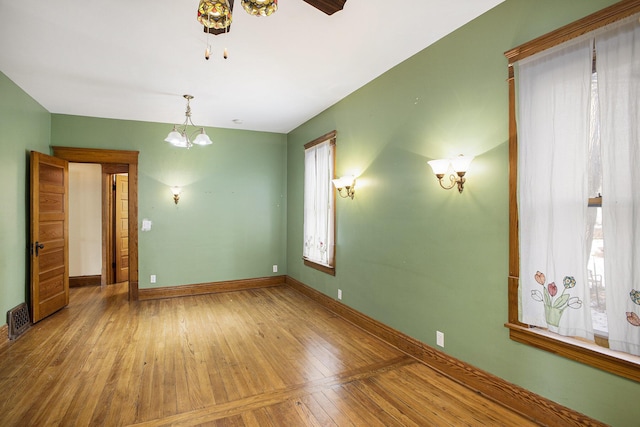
column 328, row 269
column 320, row 267
column 615, row 362
column 331, row 135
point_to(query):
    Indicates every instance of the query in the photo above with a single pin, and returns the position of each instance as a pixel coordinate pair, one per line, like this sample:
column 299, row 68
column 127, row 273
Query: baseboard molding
column 518, row 399
column 78, row 281
column 209, row 288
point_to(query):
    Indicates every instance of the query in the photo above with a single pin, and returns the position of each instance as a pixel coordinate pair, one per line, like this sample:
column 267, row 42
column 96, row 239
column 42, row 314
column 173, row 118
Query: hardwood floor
column 264, row 357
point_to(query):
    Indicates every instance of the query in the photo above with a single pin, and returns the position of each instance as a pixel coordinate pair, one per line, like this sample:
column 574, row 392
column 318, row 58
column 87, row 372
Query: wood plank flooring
column 264, row 357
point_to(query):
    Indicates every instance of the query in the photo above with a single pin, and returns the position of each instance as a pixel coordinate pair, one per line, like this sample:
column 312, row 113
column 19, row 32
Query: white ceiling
column 134, row 59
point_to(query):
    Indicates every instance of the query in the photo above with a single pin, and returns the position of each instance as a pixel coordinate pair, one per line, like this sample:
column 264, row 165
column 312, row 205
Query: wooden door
column 49, row 244
column 122, row 228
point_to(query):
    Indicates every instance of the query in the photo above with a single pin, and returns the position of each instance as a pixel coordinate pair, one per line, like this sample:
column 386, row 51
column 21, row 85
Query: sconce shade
column 440, row 166
column 461, row 163
column 343, row 181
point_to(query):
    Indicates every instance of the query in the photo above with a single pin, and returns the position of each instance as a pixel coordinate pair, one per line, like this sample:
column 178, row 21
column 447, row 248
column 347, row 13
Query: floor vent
column 18, row 321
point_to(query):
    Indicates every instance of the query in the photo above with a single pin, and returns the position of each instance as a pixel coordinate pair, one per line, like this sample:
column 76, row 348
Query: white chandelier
column 179, row 135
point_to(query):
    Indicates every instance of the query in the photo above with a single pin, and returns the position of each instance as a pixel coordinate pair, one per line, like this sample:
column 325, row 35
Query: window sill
column 622, row 364
column 320, row 267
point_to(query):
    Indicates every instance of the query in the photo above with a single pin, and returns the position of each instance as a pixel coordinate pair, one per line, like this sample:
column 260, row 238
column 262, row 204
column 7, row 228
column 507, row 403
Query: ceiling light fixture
column 260, row 7
column 179, row 137
column 217, row 15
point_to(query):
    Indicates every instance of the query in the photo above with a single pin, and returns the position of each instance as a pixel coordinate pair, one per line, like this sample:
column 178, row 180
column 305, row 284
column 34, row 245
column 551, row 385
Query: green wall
column 409, row 254
column 422, row 259
column 230, row 222
column 24, row 126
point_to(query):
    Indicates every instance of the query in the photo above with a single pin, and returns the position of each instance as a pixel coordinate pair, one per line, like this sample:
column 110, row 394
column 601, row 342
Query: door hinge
column 113, row 265
column 113, row 187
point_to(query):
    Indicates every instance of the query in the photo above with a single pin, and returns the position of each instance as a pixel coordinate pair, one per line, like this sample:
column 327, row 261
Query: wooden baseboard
column 77, row 281
column 516, row 398
column 209, row 288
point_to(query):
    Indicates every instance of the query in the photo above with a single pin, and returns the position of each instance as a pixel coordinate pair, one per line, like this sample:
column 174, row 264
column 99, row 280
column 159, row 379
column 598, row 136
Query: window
column 567, row 194
column 319, row 201
column 595, row 236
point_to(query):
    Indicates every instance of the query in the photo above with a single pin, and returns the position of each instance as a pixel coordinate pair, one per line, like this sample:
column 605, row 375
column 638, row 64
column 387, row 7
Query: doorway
column 115, row 224
column 85, row 224
column 114, row 162
column 94, row 218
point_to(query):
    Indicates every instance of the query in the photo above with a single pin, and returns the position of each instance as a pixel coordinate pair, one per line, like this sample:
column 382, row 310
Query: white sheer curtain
column 553, row 144
column 618, row 64
column 318, row 201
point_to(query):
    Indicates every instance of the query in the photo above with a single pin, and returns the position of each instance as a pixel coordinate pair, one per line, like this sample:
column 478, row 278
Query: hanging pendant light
column 260, row 7
column 179, row 134
column 214, row 14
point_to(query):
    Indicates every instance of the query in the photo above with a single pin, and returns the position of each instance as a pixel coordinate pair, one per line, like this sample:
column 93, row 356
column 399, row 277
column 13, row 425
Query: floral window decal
column 554, row 304
column 632, row 317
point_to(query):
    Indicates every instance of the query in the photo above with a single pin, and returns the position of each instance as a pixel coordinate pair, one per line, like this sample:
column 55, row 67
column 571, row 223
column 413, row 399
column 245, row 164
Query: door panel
column 49, row 222
column 122, row 228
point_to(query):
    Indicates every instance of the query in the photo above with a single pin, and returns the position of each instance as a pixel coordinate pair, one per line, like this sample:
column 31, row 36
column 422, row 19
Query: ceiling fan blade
column 327, row 6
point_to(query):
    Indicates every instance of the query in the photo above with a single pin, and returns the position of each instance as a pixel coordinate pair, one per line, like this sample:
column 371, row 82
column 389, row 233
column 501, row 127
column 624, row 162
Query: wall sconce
column 176, row 193
column 348, row 183
column 459, row 165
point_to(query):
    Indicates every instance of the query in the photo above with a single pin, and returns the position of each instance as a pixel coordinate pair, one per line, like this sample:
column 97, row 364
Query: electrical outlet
column 339, row 293
column 440, row 338
column 152, row 279
column 275, row 268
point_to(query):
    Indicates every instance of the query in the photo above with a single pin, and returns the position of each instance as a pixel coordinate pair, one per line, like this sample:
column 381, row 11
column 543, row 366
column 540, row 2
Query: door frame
column 110, row 159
